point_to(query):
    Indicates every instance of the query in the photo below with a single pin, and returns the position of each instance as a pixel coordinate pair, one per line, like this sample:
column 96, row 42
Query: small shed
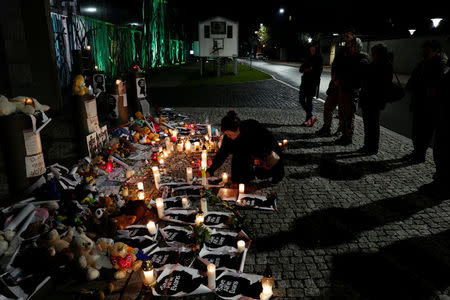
column 218, row 37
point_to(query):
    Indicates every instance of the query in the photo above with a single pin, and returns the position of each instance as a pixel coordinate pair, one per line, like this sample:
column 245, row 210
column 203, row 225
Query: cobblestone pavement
column 347, row 226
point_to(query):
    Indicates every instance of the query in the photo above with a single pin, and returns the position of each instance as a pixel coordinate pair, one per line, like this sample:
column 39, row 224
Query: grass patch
column 245, row 74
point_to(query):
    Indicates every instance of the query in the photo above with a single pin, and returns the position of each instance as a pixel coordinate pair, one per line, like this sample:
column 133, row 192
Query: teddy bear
column 123, row 259
column 123, row 221
column 22, row 104
column 54, row 244
column 84, row 250
column 79, row 88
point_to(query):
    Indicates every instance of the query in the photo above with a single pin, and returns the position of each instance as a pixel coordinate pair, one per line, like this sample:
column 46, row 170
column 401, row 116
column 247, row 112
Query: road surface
column 396, row 116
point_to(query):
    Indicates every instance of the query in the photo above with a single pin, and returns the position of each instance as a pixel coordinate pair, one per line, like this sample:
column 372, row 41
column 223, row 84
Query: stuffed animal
column 79, row 87
column 83, row 248
column 54, row 243
column 22, row 104
column 124, row 221
column 103, row 248
column 123, row 258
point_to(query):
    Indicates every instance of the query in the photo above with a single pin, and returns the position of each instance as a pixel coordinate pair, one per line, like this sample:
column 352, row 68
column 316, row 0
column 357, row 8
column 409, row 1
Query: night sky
column 370, row 18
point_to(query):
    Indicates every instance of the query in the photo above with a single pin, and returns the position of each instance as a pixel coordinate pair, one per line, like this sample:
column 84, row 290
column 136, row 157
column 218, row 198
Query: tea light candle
column 241, row 246
column 151, row 228
column 160, row 207
column 196, row 146
column 189, row 175
column 140, row 186
column 212, row 276
column 224, row 177
column 125, row 192
column 187, row 146
column 209, row 129
column 199, row 219
column 141, row 195
column 204, row 205
column 241, row 188
column 184, row 202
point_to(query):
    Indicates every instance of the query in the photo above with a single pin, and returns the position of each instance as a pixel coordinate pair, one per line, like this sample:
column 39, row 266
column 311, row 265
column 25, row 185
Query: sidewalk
column 348, row 226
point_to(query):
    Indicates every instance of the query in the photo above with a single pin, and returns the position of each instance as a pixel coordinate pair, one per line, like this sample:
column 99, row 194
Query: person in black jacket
column 312, row 69
column 254, row 150
column 376, row 85
column 424, row 83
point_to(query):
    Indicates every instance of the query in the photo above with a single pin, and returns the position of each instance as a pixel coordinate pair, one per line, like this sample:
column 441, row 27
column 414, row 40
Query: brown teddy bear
column 123, row 259
column 54, row 243
column 123, row 221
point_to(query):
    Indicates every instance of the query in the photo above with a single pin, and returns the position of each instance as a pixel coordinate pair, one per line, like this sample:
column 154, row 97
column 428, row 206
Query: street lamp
column 411, row 31
column 309, row 40
column 335, row 34
column 261, row 25
column 281, row 11
column 436, row 22
column 90, row 9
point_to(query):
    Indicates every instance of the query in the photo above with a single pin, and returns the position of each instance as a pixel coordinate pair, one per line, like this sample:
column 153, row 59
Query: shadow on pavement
column 334, row 226
column 331, row 169
column 415, row 268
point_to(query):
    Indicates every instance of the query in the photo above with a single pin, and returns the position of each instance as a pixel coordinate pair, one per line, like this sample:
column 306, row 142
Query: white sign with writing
column 32, row 142
column 34, row 165
column 91, row 108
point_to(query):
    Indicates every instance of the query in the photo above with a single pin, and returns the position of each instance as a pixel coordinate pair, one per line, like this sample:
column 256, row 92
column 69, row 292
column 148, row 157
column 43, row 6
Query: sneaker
column 344, row 141
column 323, row 132
column 311, row 121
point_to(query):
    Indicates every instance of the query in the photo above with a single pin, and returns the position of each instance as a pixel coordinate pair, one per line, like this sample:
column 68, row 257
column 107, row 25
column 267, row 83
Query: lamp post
column 436, row 22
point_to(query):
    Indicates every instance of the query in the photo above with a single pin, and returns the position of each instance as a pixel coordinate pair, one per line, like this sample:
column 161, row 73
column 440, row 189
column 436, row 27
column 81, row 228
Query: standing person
column 424, row 83
column 332, row 92
column 254, row 150
column 349, row 82
column 376, row 85
column 312, row 69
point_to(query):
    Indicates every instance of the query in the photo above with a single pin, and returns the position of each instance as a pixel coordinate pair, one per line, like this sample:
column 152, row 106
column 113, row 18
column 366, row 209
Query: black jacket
column 350, row 71
column 312, row 77
column 254, row 140
column 376, row 84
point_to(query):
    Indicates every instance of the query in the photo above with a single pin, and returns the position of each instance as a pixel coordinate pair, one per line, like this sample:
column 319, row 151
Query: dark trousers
column 329, row 107
column 422, row 130
column 243, row 169
column 347, row 109
column 371, row 119
column 441, row 149
column 305, row 97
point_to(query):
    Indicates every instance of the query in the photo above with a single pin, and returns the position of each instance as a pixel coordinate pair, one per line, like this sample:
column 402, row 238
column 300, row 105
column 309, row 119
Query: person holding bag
column 374, row 94
column 254, row 150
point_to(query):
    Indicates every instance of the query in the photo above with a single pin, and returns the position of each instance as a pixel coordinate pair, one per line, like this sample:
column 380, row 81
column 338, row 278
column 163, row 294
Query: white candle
column 217, row 132
column 157, row 178
column 224, row 177
column 267, row 292
column 140, row 186
column 241, row 188
column 285, row 143
column 155, row 170
column 151, row 227
column 212, row 276
column 241, row 245
column 209, row 129
column 166, row 154
column 204, row 182
column 161, row 162
column 149, row 277
column 187, row 146
column 280, row 145
column 204, row 156
column 199, row 219
column 141, row 195
column 196, row 146
column 180, row 147
column 160, row 207
column 189, row 175
column 204, row 205
column 184, row 202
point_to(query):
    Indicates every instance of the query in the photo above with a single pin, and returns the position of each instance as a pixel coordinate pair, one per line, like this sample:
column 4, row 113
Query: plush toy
column 22, row 104
column 79, row 87
column 124, row 221
column 103, row 248
column 123, row 258
column 83, row 248
column 54, row 243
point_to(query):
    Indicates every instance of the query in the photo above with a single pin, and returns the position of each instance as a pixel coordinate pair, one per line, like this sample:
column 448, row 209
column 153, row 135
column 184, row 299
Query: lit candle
column 109, row 167
column 267, row 291
column 217, row 132
column 285, row 144
column 88, row 48
column 199, row 219
column 196, row 146
column 96, row 67
column 187, row 146
column 280, row 145
column 209, row 129
column 151, row 227
column 189, row 175
column 174, row 133
column 125, row 192
column 204, row 182
column 157, row 178
column 161, row 162
column 224, row 177
column 155, row 170
column 160, row 207
column 184, row 202
column 241, row 245
column 204, row 155
column 166, row 153
column 180, row 147
column 204, row 205
column 212, row 276
column 241, row 188
column 140, row 185
column 118, row 81
column 141, row 195
column 149, row 274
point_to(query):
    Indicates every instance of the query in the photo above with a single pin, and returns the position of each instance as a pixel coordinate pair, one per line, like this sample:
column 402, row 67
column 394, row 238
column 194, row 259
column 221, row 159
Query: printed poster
column 34, row 165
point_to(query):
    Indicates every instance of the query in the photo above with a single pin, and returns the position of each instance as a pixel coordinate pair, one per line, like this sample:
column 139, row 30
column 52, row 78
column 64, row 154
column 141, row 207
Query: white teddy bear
column 84, row 249
column 22, row 104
